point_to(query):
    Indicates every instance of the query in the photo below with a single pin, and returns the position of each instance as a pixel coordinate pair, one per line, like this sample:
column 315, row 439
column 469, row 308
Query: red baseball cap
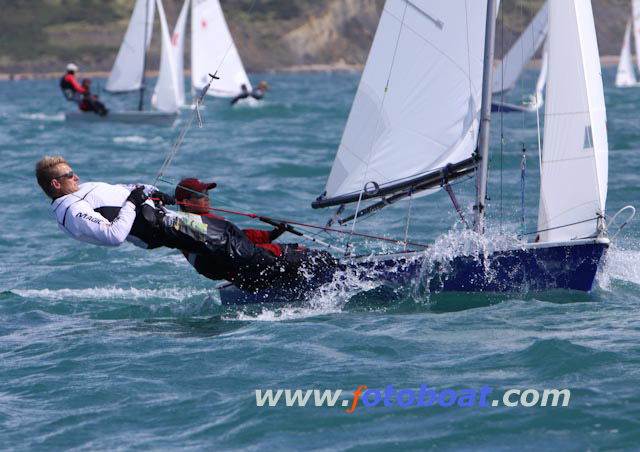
column 187, row 187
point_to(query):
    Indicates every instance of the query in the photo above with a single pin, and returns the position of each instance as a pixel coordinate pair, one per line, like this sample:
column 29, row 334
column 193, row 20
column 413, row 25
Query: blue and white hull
column 531, row 267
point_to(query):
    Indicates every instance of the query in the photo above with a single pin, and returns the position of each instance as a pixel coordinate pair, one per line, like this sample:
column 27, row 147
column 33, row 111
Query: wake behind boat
column 393, row 151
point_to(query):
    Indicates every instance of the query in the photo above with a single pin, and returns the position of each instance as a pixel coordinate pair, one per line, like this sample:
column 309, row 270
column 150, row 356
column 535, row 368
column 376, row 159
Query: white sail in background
column 166, row 92
column 538, row 99
column 625, row 76
column 211, row 43
column 508, row 70
column 418, row 103
column 177, row 44
column 573, row 186
column 127, row 71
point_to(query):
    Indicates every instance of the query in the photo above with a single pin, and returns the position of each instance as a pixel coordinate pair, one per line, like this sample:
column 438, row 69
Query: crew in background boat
column 192, row 196
column 107, row 215
column 256, row 93
column 70, row 87
column 90, row 101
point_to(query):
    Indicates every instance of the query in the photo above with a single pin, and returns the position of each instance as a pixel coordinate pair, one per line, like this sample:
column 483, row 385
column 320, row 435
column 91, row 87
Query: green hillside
column 41, row 35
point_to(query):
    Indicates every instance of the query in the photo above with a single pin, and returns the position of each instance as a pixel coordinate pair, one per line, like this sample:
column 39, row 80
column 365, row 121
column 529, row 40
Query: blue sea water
column 127, row 349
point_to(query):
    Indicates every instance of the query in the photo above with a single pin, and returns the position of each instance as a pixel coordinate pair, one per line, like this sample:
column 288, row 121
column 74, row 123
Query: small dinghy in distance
column 128, row 73
column 392, row 150
column 212, row 46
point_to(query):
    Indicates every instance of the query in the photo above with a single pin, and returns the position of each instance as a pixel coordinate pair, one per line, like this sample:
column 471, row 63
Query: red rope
column 324, row 228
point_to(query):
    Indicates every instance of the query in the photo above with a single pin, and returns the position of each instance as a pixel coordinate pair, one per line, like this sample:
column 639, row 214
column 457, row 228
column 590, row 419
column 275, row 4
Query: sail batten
column 418, row 102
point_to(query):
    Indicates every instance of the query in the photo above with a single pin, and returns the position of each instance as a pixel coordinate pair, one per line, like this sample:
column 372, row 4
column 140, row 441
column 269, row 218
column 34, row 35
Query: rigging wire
column 306, row 225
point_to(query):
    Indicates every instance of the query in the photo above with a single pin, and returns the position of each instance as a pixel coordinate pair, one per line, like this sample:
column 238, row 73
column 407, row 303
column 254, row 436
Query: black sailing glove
column 138, row 196
column 164, row 198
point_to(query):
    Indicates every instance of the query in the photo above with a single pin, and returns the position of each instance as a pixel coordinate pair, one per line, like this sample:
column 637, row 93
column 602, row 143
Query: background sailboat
column 128, row 73
column 212, row 47
column 399, row 142
column 509, row 69
column 626, row 75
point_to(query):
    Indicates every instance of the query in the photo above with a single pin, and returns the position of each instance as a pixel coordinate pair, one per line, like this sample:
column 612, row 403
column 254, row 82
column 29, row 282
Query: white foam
column 622, row 264
column 42, row 117
column 111, row 293
column 130, row 139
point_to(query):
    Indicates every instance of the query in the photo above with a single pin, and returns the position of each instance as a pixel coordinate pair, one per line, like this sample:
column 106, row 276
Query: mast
column 485, row 118
column 144, row 58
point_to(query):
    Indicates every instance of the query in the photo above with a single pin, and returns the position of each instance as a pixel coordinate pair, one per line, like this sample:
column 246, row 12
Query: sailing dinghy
column 400, row 142
column 212, row 47
column 128, row 73
column 626, row 74
column 509, row 69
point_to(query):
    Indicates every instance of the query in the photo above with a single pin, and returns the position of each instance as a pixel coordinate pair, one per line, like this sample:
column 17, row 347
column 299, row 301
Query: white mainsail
column 418, row 103
column 573, row 186
column 211, row 45
column 177, row 44
column 127, row 71
column 166, row 92
column 508, row 70
column 625, row 76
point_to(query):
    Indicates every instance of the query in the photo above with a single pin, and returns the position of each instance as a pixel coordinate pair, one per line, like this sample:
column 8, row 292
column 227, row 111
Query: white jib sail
column 635, row 13
column 508, row 70
column 126, row 74
column 625, row 76
column 573, row 186
column 417, row 106
column 165, row 95
column 177, row 45
column 211, row 45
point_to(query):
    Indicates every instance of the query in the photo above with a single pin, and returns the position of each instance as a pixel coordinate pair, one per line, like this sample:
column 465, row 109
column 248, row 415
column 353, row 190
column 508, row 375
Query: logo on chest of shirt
column 84, row 216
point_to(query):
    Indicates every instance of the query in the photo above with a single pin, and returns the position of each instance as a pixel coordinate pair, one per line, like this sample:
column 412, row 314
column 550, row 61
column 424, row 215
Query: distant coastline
column 605, row 60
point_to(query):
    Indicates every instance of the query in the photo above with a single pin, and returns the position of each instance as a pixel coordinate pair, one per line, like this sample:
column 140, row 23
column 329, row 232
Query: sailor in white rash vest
column 82, row 214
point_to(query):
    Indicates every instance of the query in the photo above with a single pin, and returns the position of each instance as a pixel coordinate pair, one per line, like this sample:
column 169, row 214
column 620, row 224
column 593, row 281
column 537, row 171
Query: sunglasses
column 200, row 195
column 68, row 175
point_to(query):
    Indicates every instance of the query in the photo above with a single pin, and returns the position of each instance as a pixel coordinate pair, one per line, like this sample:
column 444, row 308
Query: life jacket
column 67, row 89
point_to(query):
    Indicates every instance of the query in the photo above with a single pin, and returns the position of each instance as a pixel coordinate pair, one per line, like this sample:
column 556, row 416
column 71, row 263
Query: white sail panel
column 127, row 71
column 538, row 98
column 635, row 13
column 418, row 103
column 573, row 186
column 625, row 76
column 212, row 44
column 508, row 70
column 166, row 93
column 177, row 44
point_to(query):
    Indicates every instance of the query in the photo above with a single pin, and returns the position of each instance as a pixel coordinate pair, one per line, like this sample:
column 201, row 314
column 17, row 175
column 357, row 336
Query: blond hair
column 45, row 171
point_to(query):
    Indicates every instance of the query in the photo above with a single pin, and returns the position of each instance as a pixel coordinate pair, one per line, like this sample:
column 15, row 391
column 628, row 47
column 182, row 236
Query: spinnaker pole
column 485, row 117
